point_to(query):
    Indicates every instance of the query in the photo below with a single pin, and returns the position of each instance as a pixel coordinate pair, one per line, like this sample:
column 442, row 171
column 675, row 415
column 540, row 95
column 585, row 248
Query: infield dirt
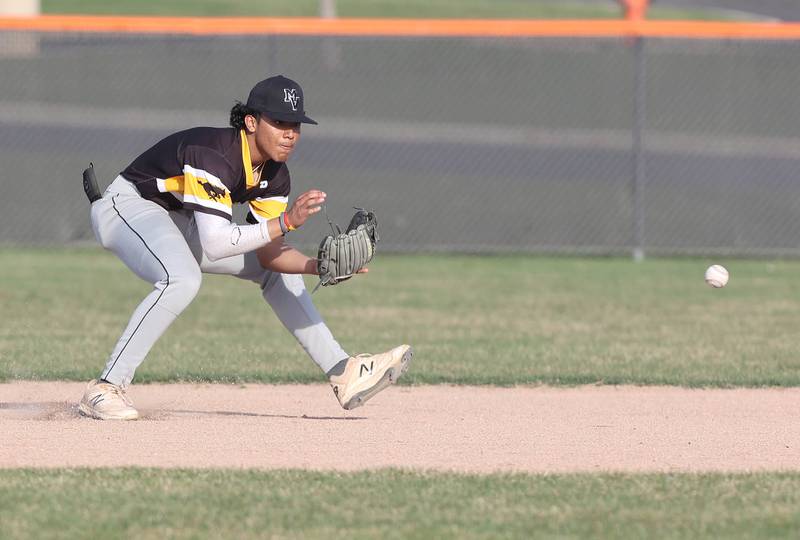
column 468, row 429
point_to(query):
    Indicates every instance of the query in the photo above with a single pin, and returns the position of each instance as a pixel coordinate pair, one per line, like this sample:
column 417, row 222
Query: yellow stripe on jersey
column 268, row 208
column 248, row 165
column 205, row 189
column 174, row 184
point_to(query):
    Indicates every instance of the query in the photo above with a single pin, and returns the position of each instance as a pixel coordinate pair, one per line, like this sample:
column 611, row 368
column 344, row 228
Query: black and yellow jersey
column 207, row 170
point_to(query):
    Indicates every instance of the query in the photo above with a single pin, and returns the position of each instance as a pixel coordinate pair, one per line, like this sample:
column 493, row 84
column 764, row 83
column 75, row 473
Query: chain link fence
column 597, row 146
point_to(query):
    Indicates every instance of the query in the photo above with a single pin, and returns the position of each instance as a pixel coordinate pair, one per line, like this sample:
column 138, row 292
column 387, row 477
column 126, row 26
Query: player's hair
column 238, row 112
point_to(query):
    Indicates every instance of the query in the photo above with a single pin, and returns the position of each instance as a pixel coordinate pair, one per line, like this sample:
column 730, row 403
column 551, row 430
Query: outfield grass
column 142, row 503
column 472, row 320
column 516, row 9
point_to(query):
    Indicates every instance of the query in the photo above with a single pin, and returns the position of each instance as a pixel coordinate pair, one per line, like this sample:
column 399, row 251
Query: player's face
column 276, row 139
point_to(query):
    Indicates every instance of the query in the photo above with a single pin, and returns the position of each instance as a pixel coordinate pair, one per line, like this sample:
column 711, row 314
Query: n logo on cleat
column 367, row 369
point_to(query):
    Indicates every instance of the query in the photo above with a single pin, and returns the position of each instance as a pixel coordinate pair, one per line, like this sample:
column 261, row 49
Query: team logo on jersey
column 290, row 96
column 263, row 184
column 214, row 193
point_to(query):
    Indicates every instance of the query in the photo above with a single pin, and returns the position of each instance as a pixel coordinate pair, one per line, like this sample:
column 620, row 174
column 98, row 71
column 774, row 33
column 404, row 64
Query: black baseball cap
column 279, row 98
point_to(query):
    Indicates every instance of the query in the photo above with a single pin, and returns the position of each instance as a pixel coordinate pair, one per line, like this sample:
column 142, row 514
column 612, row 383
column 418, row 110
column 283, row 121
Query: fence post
column 637, row 149
column 331, row 50
column 327, row 9
column 635, row 10
column 19, row 44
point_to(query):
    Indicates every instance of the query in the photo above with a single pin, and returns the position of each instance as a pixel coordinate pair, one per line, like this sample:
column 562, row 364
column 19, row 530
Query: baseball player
column 168, row 217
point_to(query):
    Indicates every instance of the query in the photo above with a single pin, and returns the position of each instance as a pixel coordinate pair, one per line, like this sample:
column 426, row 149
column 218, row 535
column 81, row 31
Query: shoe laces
column 126, row 399
column 119, row 391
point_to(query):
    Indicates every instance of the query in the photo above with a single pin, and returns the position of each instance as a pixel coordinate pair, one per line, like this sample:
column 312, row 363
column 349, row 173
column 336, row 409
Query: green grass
column 144, row 503
column 515, row 9
column 472, row 320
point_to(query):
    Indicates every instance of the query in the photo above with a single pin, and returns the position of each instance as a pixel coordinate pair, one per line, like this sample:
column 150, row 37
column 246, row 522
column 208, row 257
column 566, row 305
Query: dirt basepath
column 472, row 429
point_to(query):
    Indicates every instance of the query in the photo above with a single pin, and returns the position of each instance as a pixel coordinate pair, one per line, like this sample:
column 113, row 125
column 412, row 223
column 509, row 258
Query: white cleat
column 367, row 374
column 106, row 401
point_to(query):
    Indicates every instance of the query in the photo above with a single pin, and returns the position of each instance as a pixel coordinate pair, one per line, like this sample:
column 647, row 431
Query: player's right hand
column 304, row 206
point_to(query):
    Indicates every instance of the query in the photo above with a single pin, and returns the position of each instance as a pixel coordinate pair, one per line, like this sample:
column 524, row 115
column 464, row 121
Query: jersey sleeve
column 274, row 201
column 266, row 208
column 208, row 181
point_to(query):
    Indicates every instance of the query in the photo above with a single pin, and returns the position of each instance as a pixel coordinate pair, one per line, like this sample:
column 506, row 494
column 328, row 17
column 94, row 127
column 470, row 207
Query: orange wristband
column 289, row 226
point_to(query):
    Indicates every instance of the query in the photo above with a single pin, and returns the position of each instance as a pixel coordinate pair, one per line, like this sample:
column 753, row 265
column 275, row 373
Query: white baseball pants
column 163, row 248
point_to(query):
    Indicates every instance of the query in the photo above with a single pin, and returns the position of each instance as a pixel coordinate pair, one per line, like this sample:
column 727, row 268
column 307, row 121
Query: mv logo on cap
column 290, row 96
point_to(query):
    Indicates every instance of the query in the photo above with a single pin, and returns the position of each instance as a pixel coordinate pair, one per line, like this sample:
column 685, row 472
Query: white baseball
column 717, row 276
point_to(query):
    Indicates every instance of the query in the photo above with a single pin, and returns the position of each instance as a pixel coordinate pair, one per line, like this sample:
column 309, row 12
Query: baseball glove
column 342, row 254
